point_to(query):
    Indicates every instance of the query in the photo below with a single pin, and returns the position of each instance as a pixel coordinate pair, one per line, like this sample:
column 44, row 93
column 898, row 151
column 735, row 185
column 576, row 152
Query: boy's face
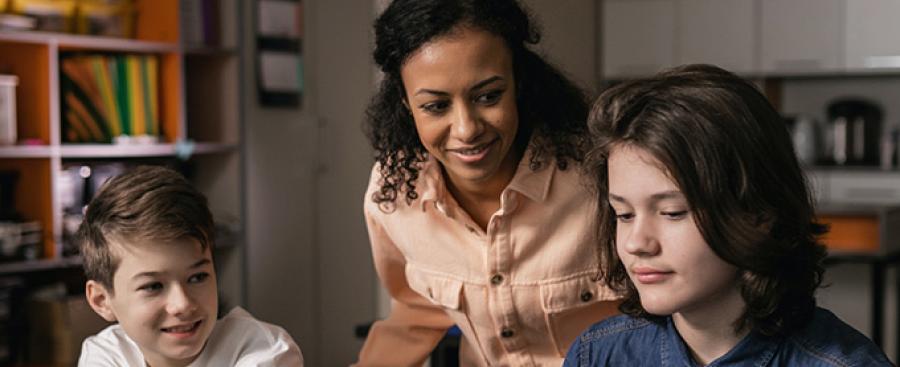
column 164, row 299
column 668, row 260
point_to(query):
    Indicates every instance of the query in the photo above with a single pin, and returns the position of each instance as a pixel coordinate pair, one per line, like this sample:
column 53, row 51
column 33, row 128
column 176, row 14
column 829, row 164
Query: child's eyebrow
column 200, row 263
column 149, row 274
column 671, row 194
column 156, row 273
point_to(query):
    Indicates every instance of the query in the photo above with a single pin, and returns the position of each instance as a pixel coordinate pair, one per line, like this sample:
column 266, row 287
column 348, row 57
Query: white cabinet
column 835, row 186
column 641, row 37
column 637, row 37
column 871, row 29
column 567, row 34
column 801, row 36
column 718, row 32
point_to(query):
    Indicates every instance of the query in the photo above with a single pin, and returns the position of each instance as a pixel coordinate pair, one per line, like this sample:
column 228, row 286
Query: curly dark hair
column 730, row 153
column 550, row 106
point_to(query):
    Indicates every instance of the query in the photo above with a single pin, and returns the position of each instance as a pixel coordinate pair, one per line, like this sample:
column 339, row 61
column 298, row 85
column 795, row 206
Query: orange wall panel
column 157, row 20
column 856, row 233
column 170, row 98
column 31, row 63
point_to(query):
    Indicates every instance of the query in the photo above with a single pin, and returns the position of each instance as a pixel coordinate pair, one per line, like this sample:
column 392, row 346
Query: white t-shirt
column 237, row 340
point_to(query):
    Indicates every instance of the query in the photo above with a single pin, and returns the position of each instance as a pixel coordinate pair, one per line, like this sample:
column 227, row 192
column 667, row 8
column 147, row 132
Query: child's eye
column 436, row 107
column 675, row 215
column 624, row 217
column 198, row 278
column 489, row 98
column 151, row 287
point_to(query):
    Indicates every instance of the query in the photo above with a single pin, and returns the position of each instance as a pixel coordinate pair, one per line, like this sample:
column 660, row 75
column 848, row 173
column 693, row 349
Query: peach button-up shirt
column 521, row 292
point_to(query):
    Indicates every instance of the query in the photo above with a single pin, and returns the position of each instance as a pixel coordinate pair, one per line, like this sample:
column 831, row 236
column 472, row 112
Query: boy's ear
column 99, row 299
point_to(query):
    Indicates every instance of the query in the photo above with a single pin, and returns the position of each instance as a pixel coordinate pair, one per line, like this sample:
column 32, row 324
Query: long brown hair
column 729, row 152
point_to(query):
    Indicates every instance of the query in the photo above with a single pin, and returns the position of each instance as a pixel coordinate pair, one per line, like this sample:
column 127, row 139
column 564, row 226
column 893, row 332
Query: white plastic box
column 8, row 109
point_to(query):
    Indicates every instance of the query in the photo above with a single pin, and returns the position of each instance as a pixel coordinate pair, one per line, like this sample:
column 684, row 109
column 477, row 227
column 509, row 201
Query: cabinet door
column 801, row 36
column 568, row 36
column 871, row 28
column 718, row 32
column 637, row 37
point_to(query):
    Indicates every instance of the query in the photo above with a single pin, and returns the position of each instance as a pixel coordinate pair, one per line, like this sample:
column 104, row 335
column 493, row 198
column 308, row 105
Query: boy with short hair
column 146, row 240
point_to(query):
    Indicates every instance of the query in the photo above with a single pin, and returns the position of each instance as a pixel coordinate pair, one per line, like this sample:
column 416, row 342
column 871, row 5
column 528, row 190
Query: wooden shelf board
column 136, row 151
column 26, row 151
column 19, row 267
column 81, row 42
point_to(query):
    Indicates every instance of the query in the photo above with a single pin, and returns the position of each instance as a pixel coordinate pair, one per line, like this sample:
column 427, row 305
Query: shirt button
column 507, row 332
column 497, row 279
column 587, row 296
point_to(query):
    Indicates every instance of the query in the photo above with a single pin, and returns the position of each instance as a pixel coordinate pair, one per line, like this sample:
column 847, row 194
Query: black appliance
column 854, row 132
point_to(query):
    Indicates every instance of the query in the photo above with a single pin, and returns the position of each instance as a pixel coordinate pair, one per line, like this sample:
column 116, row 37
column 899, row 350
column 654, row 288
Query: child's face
column 165, row 299
column 671, row 265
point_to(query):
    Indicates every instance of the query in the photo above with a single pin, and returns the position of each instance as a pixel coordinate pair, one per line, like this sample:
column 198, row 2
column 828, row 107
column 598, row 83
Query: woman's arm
column 414, row 326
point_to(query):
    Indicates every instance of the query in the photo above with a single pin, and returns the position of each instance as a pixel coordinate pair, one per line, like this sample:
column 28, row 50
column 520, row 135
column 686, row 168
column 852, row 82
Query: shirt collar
column 430, row 184
column 754, row 349
column 534, row 184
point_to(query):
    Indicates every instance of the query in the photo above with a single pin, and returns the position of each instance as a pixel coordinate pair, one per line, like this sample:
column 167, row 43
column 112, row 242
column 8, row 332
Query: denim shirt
column 627, row 341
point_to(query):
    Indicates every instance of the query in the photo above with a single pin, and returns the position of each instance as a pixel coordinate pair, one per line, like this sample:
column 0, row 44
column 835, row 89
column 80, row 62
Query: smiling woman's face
column 658, row 241
column 461, row 92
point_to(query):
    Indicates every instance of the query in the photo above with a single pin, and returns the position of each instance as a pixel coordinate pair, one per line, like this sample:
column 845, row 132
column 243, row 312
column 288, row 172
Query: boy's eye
column 489, row 98
column 435, row 107
column 623, row 217
column 151, row 287
column 198, row 278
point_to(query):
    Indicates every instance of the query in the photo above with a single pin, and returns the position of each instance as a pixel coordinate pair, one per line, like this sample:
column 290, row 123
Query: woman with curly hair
column 708, row 228
column 476, row 210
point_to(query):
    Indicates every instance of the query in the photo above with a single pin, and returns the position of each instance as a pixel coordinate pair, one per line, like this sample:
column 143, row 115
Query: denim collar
column 753, row 350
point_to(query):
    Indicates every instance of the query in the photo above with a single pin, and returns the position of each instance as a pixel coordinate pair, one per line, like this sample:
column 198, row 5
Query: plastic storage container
column 8, row 109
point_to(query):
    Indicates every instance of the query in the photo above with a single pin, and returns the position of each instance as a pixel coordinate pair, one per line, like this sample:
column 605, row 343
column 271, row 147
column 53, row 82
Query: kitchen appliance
column 8, row 109
column 854, row 132
column 889, row 140
column 805, row 136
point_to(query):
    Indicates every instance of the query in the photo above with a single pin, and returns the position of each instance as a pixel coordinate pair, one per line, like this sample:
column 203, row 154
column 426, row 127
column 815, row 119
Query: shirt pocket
column 449, row 293
column 572, row 305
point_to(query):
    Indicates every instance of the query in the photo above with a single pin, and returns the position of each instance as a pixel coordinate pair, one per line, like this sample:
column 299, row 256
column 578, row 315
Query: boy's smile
column 164, row 298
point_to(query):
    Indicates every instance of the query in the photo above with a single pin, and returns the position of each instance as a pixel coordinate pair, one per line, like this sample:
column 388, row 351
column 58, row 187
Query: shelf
column 138, row 151
column 199, row 99
column 80, row 42
column 851, row 168
column 114, row 151
column 32, row 266
column 26, row 151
